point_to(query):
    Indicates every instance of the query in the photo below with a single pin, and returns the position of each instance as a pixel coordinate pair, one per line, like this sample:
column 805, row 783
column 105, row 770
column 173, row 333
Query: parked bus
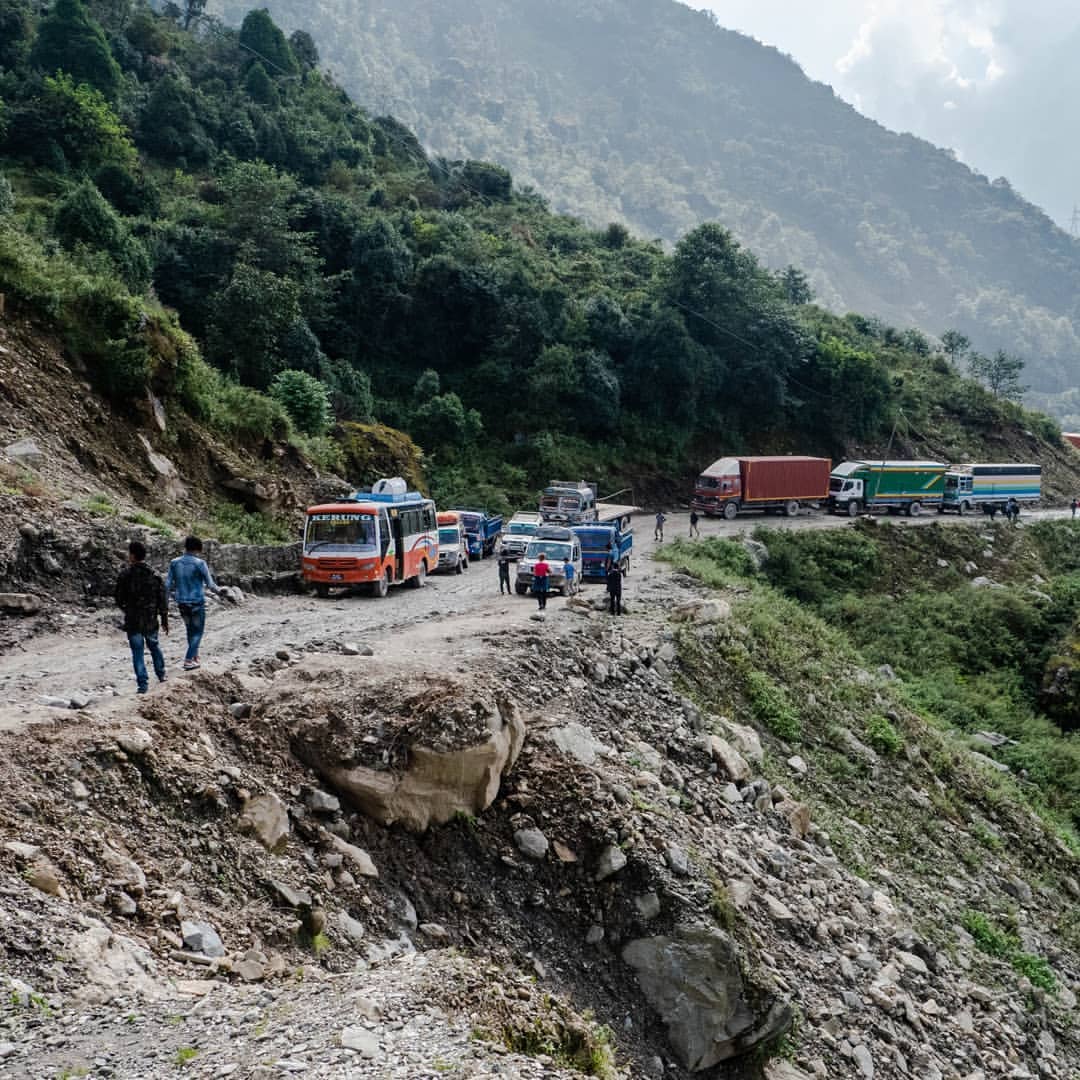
column 453, row 542
column 979, row 486
column 387, row 536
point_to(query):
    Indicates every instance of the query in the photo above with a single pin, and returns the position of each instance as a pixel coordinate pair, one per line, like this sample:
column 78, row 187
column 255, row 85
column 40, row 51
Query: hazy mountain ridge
column 649, row 113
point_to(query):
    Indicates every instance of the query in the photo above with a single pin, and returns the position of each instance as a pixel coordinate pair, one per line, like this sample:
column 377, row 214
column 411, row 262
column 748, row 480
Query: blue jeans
column 194, row 616
column 139, row 644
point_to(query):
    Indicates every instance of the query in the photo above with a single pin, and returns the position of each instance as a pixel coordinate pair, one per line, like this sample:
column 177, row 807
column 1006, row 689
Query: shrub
column 882, row 736
column 7, row 196
column 304, row 398
column 772, row 707
column 230, row 523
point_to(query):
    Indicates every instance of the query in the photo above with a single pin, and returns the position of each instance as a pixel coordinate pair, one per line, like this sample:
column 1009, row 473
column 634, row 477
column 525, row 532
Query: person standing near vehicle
column 140, row 595
column 1074, row 506
column 189, row 578
column 568, row 572
column 658, row 533
column 614, row 587
column 541, row 581
column 694, row 531
column 504, row 572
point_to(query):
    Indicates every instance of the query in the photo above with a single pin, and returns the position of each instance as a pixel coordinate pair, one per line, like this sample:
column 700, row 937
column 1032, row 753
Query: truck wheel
column 731, row 510
column 965, row 508
column 626, row 567
column 322, row 590
column 420, row 580
column 791, row 508
column 914, row 509
column 381, row 587
column 853, row 508
column 521, row 590
column 460, row 566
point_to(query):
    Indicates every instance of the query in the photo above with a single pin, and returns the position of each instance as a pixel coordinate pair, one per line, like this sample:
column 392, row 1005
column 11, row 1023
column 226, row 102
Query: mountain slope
column 648, row 113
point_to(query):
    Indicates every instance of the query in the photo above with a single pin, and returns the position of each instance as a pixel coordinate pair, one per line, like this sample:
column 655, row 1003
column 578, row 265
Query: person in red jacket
column 541, row 581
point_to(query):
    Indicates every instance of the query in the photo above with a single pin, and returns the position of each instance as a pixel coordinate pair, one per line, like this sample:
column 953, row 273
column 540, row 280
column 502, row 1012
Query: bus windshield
column 339, row 532
column 449, row 537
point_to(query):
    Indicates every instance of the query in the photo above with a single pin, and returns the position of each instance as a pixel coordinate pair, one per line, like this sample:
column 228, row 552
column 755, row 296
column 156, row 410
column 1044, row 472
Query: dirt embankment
column 632, row 855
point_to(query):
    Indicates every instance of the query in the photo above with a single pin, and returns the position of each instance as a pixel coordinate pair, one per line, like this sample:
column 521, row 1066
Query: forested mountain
column 648, row 113
column 206, row 216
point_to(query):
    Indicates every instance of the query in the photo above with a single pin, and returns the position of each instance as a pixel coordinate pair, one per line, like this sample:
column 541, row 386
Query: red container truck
column 734, row 484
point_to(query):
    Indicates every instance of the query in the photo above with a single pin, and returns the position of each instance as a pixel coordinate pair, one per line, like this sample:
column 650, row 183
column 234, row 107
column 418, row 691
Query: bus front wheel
column 381, row 587
column 420, row 580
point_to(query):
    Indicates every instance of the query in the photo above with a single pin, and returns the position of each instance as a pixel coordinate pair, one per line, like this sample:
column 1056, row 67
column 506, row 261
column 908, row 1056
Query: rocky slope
column 590, row 858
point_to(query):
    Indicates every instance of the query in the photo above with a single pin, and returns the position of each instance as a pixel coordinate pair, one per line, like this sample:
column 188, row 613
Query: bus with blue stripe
column 986, row 485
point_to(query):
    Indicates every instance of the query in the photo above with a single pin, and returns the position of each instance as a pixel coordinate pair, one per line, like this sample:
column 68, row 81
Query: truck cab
column 566, row 502
column 718, row 490
column 453, row 543
column 601, row 545
column 557, row 545
column 518, row 532
column 846, row 493
column 482, row 529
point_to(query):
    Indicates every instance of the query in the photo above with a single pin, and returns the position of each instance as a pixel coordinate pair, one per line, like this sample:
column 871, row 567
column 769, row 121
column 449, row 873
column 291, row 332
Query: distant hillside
column 648, row 113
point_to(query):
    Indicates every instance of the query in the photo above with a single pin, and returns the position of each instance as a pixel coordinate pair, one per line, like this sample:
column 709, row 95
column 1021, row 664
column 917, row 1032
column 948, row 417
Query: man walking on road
column 658, row 533
column 614, row 587
column 140, row 594
column 504, row 572
column 1075, row 504
column 694, row 525
column 541, row 575
column 189, row 578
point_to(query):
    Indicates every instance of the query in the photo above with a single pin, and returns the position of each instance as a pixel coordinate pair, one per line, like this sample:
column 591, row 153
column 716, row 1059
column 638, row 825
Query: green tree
column 259, row 86
column 304, row 398
column 796, row 286
column 303, row 48
column 1000, row 374
column 16, row 31
column 263, row 40
column 7, row 196
column 955, row 345
column 69, row 40
column 191, row 11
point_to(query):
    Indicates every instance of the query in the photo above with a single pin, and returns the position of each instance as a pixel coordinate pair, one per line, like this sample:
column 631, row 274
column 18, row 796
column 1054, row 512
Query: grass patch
column 883, row 736
column 232, row 524
column 772, row 706
column 1003, row 945
column 186, row 1054
column 100, row 505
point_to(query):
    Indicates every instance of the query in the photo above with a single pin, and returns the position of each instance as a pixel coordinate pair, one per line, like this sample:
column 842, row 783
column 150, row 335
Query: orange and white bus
column 384, row 537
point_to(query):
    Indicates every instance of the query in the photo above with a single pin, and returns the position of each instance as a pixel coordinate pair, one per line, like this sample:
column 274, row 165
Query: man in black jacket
column 614, row 586
column 140, row 594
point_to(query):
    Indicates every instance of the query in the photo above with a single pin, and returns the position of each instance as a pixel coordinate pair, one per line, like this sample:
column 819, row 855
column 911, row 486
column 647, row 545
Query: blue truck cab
column 482, row 529
column 602, row 543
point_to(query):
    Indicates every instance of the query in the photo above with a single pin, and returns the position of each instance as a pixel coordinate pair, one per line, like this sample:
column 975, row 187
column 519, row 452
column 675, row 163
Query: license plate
column 337, row 577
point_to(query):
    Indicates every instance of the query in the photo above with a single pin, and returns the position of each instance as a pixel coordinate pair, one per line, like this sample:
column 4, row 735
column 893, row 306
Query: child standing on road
column 658, row 534
column 541, row 575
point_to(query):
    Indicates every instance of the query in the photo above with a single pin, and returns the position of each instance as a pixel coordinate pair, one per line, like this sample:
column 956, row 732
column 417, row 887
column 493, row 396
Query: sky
column 995, row 80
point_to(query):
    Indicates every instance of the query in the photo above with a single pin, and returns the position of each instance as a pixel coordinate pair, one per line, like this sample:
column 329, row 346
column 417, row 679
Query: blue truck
column 602, row 543
column 482, row 529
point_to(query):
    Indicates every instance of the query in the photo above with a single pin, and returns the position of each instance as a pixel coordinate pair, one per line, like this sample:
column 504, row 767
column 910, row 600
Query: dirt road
column 452, row 615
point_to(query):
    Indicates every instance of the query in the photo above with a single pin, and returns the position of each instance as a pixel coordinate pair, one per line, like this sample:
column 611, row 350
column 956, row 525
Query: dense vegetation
column 1002, row 658
column 647, row 112
column 207, row 213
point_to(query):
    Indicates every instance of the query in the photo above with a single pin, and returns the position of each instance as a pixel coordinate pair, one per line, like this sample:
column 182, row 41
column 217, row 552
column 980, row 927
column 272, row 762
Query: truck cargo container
column 734, row 484
column 979, row 486
column 894, row 486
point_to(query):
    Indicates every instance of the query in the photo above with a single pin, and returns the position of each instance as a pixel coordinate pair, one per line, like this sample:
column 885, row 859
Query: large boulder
column 432, row 785
column 267, row 819
column 694, row 980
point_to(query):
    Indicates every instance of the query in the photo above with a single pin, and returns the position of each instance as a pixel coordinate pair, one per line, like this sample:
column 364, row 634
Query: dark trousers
column 504, row 577
column 540, row 587
column 615, row 602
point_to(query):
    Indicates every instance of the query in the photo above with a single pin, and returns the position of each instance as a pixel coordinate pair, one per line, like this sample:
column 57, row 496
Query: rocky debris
column 20, row 603
column 433, row 785
column 357, row 858
column 611, row 861
column 267, row 819
column 134, row 741
column 350, row 648
column 694, row 980
column 26, row 452
column 364, row 1042
column 532, row 843
column 579, row 742
column 240, row 710
column 21, row 851
column 703, row 612
column 319, row 802
column 44, row 877
column 731, row 763
column 202, row 938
